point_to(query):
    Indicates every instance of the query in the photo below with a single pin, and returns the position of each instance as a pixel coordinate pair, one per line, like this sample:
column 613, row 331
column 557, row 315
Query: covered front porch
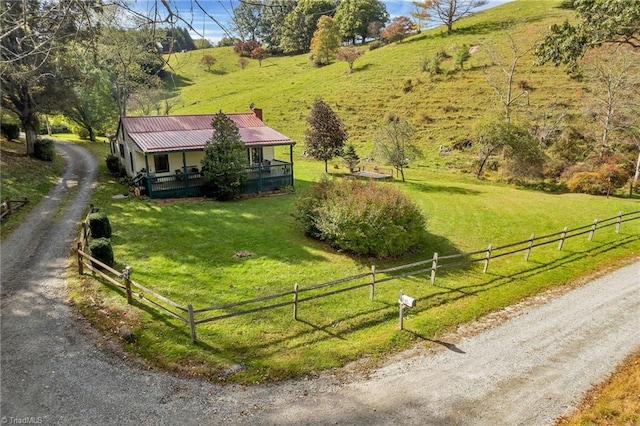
column 266, row 176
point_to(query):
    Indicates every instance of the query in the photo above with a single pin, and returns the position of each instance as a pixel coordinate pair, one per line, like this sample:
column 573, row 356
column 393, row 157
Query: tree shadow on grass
column 447, row 189
column 310, row 332
column 177, row 81
column 363, row 67
column 388, row 311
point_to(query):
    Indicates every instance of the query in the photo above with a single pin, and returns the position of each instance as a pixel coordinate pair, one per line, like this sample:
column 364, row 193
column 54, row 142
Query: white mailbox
column 407, row 301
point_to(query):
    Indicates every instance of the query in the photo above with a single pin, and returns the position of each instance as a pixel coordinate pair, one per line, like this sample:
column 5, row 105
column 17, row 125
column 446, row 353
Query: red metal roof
column 190, row 132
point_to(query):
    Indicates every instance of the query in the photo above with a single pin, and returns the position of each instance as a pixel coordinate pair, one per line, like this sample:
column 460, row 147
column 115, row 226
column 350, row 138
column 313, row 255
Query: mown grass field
column 185, row 249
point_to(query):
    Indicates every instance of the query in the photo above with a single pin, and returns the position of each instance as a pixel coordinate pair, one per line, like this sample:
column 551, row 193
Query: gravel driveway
column 528, row 370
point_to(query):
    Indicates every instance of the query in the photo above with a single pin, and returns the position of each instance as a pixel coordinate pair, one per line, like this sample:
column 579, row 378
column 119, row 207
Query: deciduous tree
column 326, row 41
column 326, row 135
column 259, row 54
column 208, row 61
column 451, row 11
column 599, row 22
column 133, row 65
column 613, row 77
column 247, row 18
column 503, row 80
column 394, row 145
column 272, row 22
column 35, row 71
column 354, row 17
column 349, row 54
column 92, row 107
column 398, row 29
column 302, row 22
column 421, row 12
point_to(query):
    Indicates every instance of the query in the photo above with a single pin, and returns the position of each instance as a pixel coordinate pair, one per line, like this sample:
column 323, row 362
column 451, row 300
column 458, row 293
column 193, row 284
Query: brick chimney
column 258, row 113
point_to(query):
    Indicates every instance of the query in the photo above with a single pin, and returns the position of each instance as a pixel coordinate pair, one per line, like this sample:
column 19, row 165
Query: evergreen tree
column 225, row 161
column 326, row 134
column 351, row 158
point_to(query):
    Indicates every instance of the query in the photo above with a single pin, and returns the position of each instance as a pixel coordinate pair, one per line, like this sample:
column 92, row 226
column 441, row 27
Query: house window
column 256, row 155
column 121, row 146
column 161, row 162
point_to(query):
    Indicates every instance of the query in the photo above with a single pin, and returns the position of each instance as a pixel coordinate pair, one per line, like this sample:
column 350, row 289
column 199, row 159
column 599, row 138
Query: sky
column 221, row 10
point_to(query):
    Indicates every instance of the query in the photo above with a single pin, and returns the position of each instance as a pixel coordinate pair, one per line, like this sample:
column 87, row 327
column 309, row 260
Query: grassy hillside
column 443, row 109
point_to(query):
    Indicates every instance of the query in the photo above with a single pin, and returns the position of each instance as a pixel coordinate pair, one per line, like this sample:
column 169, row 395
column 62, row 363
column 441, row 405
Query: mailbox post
column 405, row 301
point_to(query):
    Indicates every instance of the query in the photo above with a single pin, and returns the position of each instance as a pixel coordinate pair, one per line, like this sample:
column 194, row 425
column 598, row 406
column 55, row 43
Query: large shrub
column 100, row 248
column 99, row 225
column 10, row 131
column 605, row 180
column 113, row 165
column 361, row 218
column 45, row 149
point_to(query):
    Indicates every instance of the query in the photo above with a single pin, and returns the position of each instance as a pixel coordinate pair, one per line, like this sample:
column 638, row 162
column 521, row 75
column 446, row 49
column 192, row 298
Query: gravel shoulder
column 532, row 368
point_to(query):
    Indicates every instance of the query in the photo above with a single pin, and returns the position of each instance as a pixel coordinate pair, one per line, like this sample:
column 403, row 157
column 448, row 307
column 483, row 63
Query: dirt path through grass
column 528, row 370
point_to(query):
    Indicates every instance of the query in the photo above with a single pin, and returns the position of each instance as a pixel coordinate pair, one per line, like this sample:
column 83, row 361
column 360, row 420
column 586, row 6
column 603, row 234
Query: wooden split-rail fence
column 9, row 206
column 134, row 291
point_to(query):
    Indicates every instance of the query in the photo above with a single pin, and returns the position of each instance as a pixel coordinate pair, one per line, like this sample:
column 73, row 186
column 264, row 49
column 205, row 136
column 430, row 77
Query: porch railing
column 261, row 178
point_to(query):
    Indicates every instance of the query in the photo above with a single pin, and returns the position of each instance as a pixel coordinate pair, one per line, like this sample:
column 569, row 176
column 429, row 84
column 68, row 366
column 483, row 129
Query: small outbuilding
column 163, row 154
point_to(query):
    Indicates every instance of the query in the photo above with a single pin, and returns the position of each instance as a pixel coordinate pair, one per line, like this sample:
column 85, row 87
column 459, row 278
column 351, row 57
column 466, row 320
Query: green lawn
column 184, row 249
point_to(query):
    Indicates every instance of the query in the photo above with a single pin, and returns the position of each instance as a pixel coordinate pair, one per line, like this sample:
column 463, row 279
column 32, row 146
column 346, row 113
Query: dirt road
column 528, row 370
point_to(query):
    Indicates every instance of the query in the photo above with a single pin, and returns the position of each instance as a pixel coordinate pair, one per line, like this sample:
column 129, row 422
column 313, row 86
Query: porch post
column 148, row 177
column 184, row 169
column 291, row 161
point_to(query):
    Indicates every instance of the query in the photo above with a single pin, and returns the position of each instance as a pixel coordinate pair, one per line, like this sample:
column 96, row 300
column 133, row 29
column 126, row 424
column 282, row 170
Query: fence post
column 562, row 238
column 127, row 283
column 618, row 223
column 486, row 259
column 9, row 209
column 593, row 229
column 295, row 302
column 372, row 288
column 192, row 324
column 80, row 264
column 84, row 233
column 401, row 308
column 528, row 251
column 434, row 266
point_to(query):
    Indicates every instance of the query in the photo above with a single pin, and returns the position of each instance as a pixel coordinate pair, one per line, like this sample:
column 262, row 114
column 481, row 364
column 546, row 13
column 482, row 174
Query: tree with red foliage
column 259, row 53
column 398, row 29
column 349, row 54
column 208, row 61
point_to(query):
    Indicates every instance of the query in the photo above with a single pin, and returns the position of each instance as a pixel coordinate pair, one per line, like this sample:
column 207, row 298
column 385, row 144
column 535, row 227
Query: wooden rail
column 366, row 279
column 9, row 206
